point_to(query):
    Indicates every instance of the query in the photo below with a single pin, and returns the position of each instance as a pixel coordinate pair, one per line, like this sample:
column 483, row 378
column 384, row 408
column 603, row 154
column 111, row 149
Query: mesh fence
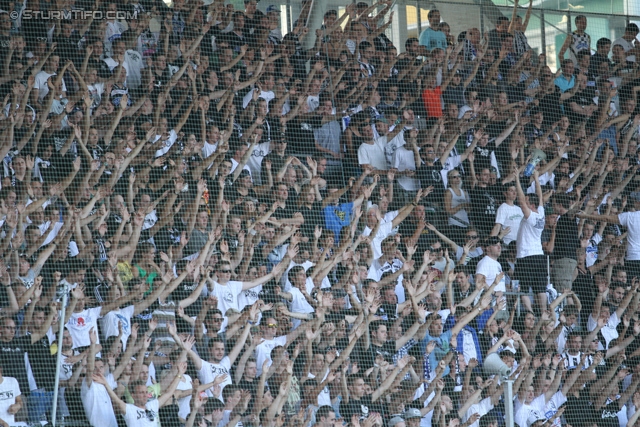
column 205, row 222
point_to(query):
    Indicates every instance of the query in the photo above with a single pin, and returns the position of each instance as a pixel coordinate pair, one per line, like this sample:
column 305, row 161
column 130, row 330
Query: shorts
column 532, row 273
column 562, row 274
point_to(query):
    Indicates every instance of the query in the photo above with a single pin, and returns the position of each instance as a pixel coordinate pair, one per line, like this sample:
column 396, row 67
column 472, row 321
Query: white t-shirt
column 266, row 95
column 255, row 161
column 183, row 404
column 249, row 297
column 41, row 84
column 609, row 331
column 227, row 297
column 373, row 154
column 490, row 268
column 148, row 417
column 208, row 149
column 529, row 240
column 299, row 304
column 404, row 160
column 9, row 390
column 324, row 398
column 97, row 403
column 66, row 369
column 482, row 408
column 631, row 220
column 109, row 324
column 163, row 148
column 536, row 407
column 210, row 371
column 80, row 324
column 263, row 350
column 627, row 46
column 592, row 249
column 509, row 216
column 385, row 230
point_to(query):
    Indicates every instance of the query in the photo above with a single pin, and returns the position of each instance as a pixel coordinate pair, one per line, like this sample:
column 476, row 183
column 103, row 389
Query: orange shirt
column 433, row 102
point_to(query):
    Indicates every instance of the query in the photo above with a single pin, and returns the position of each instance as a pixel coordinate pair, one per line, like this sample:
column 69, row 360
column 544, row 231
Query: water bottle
column 536, row 157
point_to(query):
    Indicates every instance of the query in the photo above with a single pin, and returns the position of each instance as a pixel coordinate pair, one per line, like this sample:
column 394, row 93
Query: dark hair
column 229, row 390
column 213, row 405
column 294, row 270
column 410, row 41
column 324, row 411
column 331, row 12
column 602, row 42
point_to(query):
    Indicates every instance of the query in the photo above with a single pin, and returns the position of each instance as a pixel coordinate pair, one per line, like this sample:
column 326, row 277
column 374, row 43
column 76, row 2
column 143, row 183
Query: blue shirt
column 336, row 217
column 443, row 347
column 565, row 84
column 432, row 39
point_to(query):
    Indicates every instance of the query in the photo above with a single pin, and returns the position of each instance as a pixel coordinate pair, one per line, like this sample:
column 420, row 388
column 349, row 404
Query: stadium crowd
column 250, row 232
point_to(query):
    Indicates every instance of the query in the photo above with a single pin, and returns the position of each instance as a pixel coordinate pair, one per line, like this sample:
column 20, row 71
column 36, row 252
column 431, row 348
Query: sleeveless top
column 579, row 42
column 460, row 218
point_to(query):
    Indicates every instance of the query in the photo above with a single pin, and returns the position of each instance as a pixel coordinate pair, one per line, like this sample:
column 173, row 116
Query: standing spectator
column 529, row 255
column 627, row 41
column 576, row 41
column 432, row 38
column 509, row 215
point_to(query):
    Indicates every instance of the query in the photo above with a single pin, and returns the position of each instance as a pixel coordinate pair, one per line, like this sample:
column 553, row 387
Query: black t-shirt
column 483, row 156
column 360, row 407
column 531, row 132
column 367, row 357
column 287, row 212
column 407, row 228
column 579, row 411
column 484, row 206
column 582, row 99
column 312, row 217
column 608, row 415
column 567, row 240
column 277, row 163
column 300, row 135
column 550, row 104
column 431, row 176
column 12, row 361
column 43, row 361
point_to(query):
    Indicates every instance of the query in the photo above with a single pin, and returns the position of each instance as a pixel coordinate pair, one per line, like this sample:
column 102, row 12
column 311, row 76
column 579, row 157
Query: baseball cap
column 535, row 417
column 381, row 119
column 412, row 413
column 273, row 8
column 394, row 421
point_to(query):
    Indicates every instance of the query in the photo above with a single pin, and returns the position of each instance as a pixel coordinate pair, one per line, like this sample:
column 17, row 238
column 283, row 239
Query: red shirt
column 433, row 102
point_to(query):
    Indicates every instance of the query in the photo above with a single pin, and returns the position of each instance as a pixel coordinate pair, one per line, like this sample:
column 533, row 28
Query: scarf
column 427, row 367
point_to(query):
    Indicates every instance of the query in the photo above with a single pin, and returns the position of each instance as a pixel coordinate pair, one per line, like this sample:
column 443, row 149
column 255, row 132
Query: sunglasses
column 472, row 237
column 272, row 325
column 435, row 249
column 224, row 271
